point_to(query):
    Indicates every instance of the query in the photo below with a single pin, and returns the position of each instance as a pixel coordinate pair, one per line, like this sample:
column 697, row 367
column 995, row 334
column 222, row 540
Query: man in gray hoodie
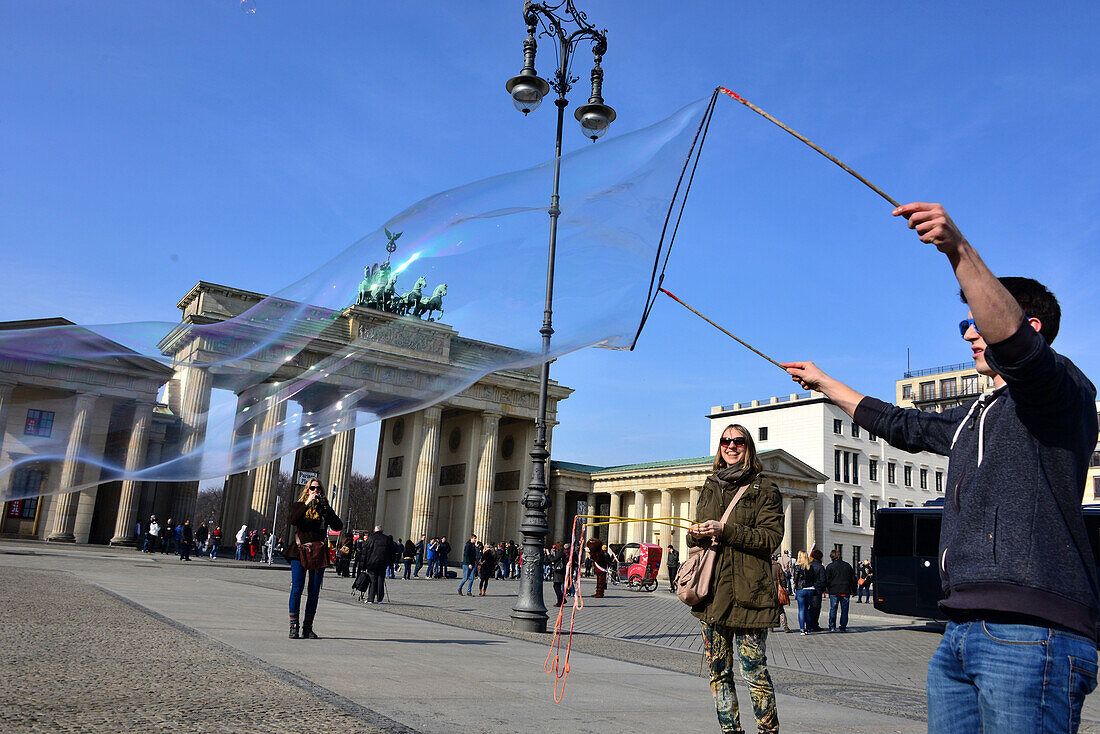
column 1016, row 564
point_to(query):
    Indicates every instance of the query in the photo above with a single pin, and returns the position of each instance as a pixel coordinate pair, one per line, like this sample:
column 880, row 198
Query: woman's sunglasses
column 738, row 441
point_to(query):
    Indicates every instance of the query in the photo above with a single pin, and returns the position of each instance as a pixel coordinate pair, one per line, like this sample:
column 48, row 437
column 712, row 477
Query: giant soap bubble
column 473, row 259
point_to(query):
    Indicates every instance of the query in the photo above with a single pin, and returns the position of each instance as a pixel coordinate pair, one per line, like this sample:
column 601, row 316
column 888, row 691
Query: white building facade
column 863, row 472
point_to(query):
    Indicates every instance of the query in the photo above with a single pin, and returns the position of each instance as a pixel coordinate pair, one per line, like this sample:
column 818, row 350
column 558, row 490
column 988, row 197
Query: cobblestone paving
column 76, row 659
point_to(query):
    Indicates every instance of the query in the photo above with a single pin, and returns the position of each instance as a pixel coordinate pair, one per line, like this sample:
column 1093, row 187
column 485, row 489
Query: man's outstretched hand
column 933, row 225
column 806, row 374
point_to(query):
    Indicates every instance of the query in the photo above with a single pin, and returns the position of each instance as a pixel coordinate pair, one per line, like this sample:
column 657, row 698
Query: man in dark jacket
column 469, row 566
column 444, row 551
column 377, row 557
column 1015, row 560
column 840, row 582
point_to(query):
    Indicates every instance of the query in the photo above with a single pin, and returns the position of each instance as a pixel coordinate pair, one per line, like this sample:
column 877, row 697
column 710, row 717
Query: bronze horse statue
column 432, row 304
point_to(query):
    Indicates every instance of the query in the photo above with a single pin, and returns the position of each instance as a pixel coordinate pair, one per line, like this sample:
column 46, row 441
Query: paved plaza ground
column 102, row 639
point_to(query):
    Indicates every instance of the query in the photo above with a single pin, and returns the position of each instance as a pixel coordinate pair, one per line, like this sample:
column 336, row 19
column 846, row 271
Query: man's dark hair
column 834, row 555
column 1036, row 301
column 816, row 554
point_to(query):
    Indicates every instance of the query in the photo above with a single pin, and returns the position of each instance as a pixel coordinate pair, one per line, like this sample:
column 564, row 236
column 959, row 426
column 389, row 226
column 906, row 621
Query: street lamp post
column 563, row 23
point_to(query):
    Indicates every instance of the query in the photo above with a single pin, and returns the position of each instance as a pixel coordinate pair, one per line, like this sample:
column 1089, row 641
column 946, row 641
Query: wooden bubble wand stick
column 716, row 326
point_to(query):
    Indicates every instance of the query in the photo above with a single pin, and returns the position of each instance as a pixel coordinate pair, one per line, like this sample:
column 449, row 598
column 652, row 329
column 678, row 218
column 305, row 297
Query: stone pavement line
column 77, row 658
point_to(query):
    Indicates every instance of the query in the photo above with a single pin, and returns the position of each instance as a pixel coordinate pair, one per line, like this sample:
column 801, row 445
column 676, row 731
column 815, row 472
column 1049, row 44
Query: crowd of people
column 807, row 581
column 175, row 537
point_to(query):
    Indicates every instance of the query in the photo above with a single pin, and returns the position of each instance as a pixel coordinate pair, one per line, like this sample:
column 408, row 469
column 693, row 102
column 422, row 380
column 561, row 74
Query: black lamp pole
column 527, row 90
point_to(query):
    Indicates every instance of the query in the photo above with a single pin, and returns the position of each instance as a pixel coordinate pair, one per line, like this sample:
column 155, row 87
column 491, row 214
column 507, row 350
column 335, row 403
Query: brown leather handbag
column 696, row 573
column 313, row 556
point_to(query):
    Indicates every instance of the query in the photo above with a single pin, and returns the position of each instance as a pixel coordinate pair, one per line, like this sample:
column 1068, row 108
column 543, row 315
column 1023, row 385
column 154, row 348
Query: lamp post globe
column 527, row 91
column 594, row 119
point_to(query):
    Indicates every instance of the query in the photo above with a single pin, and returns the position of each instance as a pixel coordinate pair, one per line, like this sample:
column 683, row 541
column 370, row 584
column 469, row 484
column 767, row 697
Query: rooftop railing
column 938, row 370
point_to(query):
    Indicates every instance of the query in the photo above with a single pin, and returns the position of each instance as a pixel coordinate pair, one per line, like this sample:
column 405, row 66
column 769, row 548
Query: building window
column 838, row 508
column 892, row 503
column 1095, row 460
column 872, row 469
column 855, row 468
column 873, row 508
column 857, row 510
column 906, row 392
column 908, row 472
column 838, row 426
column 928, row 391
column 947, row 388
column 923, row 478
column 970, row 385
column 871, row 436
column 763, row 433
column 39, row 423
column 855, row 431
column 25, row 481
column 939, row 480
column 892, row 473
column 856, row 556
column 1096, row 488
column 836, row 464
column 847, row 467
column 838, row 547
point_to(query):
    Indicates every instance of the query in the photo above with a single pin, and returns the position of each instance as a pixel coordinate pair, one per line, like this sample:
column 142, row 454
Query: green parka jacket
column 743, row 592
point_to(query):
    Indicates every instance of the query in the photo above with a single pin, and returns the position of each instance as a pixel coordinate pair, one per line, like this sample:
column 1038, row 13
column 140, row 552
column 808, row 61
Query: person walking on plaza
column 803, row 579
column 343, row 556
column 1016, row 565
column 819, row 589
column 167, row 532
column 673, row 564
column 215, row 542
column 558, row 560
column 866, row 576
column 202, row 534
column 486, row 567
column 598, row 555
column 469, row 566
column 152, row 532
column 444, row 553
column 786, row 563
column 840, row 582
column 781, row 584
column 377, row 557
column 186, row 538
column 242, row 538
column 421, row 551
column 408, row 556
column 742, row 605
column 309, row 516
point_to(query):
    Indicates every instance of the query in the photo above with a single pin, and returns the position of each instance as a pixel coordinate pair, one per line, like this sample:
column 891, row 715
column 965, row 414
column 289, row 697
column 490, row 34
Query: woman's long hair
column 305, row 490
column 749, row 459
column 803, row 560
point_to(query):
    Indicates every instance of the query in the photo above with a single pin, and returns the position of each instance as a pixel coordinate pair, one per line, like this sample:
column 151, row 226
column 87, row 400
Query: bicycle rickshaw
column 636, row 565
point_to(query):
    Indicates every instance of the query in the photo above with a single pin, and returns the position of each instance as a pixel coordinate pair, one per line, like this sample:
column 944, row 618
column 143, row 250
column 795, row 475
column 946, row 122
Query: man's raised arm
column 810, row 376
column 995, row 311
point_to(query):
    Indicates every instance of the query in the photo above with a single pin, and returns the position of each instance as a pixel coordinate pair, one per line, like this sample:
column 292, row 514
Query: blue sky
column 146, row 146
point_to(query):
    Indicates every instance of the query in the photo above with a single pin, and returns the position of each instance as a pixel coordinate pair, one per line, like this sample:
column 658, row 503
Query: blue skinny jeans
column 298, row 584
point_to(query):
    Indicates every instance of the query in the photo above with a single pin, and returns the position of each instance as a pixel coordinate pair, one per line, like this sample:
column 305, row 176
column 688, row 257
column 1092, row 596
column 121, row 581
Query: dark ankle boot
column 294, row 631
column 307, row 631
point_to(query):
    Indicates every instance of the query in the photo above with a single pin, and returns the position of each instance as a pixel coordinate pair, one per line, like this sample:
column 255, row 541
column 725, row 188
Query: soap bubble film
column 460, row 296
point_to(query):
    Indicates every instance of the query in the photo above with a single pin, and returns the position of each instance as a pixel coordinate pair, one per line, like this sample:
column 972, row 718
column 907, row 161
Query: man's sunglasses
column 964, row 326
column 735, row 440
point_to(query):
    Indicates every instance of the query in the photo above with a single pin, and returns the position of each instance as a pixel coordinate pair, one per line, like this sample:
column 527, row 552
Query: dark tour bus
column 906, row 558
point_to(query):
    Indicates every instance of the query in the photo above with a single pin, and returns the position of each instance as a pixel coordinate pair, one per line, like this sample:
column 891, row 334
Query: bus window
column 893, row 535
column 928, row 537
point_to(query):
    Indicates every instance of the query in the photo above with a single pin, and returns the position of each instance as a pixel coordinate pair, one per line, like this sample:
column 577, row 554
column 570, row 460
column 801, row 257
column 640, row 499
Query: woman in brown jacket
column 742, row 605
column 309, row 516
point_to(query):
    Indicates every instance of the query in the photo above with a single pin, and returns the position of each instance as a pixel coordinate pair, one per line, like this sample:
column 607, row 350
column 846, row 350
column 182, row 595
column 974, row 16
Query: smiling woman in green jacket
column 743, row 603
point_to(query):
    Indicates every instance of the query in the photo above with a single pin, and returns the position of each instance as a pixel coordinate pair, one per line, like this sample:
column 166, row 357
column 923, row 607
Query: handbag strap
column 733, row 503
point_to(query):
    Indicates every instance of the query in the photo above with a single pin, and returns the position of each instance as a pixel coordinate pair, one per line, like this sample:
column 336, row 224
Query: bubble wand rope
column 804, row 139
column 716, row 326
column 555, row 665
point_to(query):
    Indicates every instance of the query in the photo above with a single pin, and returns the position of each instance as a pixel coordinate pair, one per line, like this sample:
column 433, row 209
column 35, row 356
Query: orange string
column 559, row 668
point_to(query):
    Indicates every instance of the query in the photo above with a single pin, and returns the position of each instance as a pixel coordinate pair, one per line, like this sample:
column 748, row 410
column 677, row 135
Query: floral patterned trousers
column 721, row 647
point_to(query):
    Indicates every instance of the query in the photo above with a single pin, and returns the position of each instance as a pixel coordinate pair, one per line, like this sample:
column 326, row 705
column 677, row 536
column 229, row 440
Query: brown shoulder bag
column 696, row 573
column 313, row 556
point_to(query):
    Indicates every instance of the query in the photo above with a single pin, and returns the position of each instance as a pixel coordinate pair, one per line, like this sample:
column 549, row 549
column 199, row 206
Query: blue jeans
column 240, row 551
column 842, row 601
column 467, row 578
column 1009, row 678
column 864, row 590
column 431, row 568
column 298, row 583
column 213, row 550
column 805, row 599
